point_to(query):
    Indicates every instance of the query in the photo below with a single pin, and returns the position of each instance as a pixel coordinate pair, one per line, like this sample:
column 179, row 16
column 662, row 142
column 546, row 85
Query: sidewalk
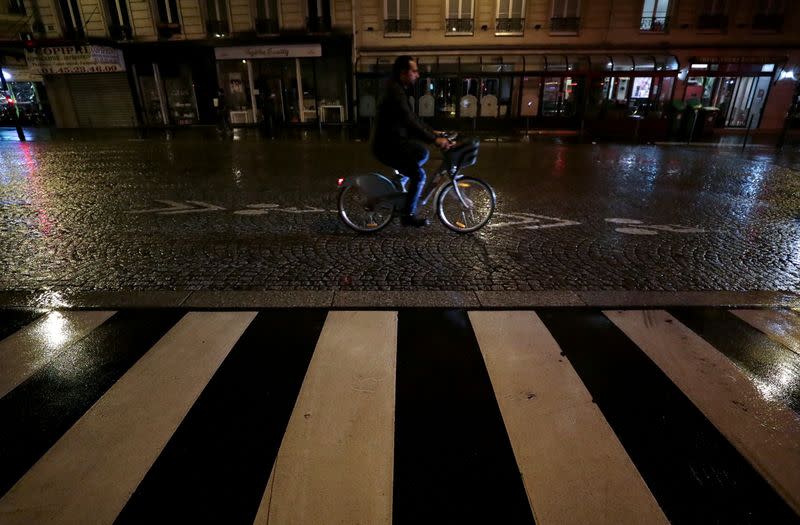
column 725, row 138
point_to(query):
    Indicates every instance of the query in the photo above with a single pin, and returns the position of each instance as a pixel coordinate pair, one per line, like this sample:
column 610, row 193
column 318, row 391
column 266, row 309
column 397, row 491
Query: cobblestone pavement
column 258, row 215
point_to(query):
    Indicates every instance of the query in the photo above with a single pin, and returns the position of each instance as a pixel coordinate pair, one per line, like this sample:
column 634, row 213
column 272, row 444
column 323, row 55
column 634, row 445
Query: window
column 769, row 15
column 655, row 16
column 510, row 20
column 266, row 17
column 319, row 15
column 168, row 12
column 73, row 26
column 565, row 17
column 714, row 15
column 397, row 17
column 217, row 24
column 16, row 7
column 120, row 23
column 459, row 17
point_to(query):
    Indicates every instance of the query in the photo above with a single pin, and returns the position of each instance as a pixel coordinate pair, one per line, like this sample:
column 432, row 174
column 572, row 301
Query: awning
column 565, row 64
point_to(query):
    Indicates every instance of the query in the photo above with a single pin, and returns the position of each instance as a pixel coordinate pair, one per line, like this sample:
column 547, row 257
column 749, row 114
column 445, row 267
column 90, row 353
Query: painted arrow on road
column 176, row 208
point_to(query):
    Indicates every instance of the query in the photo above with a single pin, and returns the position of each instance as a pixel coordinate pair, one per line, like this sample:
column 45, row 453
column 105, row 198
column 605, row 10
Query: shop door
column 102, row 100
column 747, row 102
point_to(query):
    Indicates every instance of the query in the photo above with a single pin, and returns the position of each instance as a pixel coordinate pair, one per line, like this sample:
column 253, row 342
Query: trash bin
column 691, row 115
column 675, row 112
column 706, row 117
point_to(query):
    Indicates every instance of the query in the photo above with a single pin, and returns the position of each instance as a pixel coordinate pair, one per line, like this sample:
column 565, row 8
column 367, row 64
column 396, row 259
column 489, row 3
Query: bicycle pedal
column 460, row 224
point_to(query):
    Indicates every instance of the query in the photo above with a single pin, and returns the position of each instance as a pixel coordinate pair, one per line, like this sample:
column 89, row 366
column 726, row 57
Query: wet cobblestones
column 67, row 220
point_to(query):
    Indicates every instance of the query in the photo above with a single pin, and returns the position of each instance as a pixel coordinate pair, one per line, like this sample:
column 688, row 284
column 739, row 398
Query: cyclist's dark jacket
column 396, row 122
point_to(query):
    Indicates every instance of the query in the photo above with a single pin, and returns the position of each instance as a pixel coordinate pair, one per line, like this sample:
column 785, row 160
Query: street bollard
column 747, row 132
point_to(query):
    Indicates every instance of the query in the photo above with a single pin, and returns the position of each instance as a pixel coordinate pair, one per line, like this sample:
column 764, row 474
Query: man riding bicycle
column 399, row 135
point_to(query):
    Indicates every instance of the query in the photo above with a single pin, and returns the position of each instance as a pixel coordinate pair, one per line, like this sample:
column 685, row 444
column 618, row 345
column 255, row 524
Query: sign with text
column 255, row 52
column 75, row 59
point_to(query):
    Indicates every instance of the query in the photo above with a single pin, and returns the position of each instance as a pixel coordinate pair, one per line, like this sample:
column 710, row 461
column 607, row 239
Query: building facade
column 606, row 66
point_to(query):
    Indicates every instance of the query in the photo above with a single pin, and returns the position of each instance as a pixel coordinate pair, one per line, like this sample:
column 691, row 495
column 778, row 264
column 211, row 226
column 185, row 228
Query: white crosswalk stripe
column 336, row 462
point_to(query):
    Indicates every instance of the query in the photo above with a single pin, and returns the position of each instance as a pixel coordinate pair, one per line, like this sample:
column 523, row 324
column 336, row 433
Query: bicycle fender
column 373, row 184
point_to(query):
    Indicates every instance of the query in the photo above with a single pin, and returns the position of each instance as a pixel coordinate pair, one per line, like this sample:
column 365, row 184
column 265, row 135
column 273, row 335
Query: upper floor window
column 319, row 15
column 119, row 20
column 167, row 12
column 71, row 14
column 217, row 24
column 266, row 16
column 15, row 7
column 713, row 15
column 510, row 17
column 566, row 16
column 397, row 17
column 655, row 16
column 769, row 15
column 459, row 17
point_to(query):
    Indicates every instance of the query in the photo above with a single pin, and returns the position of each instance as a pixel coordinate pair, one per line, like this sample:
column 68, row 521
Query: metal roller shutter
column 102, row 100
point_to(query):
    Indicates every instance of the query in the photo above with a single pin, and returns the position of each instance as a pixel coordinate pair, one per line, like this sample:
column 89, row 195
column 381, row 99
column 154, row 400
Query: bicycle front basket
column 465, row 154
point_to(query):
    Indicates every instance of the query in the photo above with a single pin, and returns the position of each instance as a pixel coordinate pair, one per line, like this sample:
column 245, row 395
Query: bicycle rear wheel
column 364, row 213
column 472, row 211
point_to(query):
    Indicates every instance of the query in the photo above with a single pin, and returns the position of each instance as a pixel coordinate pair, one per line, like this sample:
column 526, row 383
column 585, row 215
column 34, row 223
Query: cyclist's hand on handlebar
column 443, row 143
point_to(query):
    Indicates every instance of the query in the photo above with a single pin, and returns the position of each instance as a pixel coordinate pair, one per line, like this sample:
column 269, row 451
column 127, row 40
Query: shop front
column 521, row 92
column 737, row 88
column 24, row 97
column 278, row 85
column 87, row 85
column 173, row 83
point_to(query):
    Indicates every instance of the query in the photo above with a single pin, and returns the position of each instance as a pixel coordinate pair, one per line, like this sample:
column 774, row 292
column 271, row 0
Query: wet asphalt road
column 257, row 215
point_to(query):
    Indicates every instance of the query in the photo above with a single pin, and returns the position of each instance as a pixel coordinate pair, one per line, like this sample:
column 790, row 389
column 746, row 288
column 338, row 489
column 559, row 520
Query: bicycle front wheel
column 361, row 212
column 469, row 208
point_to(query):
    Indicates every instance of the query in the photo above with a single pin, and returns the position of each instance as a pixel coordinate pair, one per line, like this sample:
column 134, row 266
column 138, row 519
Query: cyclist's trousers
column 408, row 158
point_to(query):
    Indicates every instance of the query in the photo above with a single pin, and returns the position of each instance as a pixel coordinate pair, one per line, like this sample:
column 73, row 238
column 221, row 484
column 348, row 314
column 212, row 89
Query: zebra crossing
column 561, row 415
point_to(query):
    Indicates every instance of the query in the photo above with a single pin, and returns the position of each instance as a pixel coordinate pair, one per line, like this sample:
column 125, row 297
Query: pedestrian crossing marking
column 731, row 401
column 27, row 350
column 335, row 462
column 782, row 326
column 90, row 473
column 574, row 468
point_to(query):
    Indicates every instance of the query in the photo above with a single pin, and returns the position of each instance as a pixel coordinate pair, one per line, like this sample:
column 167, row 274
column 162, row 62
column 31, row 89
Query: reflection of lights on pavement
column 785, row 379
column 53, row 331
column 51, row 299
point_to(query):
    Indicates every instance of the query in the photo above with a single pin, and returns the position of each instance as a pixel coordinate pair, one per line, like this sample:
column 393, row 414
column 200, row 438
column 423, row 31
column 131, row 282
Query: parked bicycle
column 367, row 203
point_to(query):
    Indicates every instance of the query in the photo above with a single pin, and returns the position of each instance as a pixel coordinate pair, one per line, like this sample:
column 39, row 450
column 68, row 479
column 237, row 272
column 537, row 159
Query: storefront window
column 551, row 97
column 640, row 95
column 236, row 85
column 530, row 96
column 331, row 82
column 309, row 98
column 151, row 103
column 179, row 89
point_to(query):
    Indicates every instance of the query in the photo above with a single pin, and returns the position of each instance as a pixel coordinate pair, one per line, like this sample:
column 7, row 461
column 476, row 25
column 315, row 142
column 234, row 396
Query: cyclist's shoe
column 413, row 220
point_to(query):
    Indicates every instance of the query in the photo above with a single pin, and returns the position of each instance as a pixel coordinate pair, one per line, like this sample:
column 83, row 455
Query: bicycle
column 369, row 202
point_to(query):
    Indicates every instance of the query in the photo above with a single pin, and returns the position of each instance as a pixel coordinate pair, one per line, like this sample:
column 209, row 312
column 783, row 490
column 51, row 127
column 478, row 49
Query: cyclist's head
column 405, row 70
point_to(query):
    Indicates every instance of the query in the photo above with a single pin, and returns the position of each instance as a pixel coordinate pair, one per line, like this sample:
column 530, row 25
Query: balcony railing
column 266, row 26
column 318, row 24
column 167, row 29
column 73, row 33
column 712, row 22
column 216, row 28
column 565, row 24
column 509, row 25
column 654, row 24
column 459, row 25
column 120, row 32
column 402, row 26
column 768, row 22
